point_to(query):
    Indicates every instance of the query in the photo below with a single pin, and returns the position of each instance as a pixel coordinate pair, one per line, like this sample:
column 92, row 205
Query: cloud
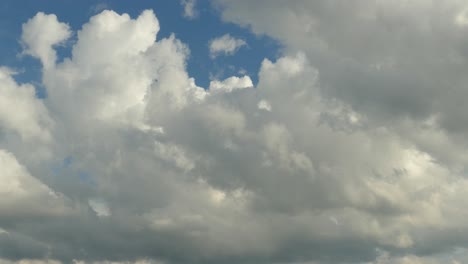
column 20, row 111
column 345, row 151
column 23, row 194
column 99, row 207
column 40, row 34
column 190, row 10
column 264, row 105
column 99, row 7
column 30, row 262
column 230, row 84
column 225, row 45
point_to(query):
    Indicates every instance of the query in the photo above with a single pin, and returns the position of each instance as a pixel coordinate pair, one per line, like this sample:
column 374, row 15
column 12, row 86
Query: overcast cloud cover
column 351, row 148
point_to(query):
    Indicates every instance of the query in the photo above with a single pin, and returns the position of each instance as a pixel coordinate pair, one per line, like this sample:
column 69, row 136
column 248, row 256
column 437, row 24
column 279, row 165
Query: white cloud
column 225, row 45
column 99, row 207
column 175, row 154
column 24, row 195
column 264, row 105
column 190, row 10
column 230, row 84
column 99, row 7
column 21, row 111
column 40, row 34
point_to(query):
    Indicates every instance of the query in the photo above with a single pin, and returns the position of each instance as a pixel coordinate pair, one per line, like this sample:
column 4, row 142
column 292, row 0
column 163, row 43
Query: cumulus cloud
column 225, row 45
column 20, row 111
column 21, row 193
column 346, row 151
column 40, row 34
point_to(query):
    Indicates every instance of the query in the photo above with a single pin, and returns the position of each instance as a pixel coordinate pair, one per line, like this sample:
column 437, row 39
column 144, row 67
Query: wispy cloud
column 225, row 45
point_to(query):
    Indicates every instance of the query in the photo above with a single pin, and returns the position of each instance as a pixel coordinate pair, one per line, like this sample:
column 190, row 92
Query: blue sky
column 196, row 33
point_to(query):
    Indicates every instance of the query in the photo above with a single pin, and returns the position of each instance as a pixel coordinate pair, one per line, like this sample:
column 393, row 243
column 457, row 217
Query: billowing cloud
column 20, row 111
column 225, row 45
column 21, row 193
column 40, row 34
column 347, row 150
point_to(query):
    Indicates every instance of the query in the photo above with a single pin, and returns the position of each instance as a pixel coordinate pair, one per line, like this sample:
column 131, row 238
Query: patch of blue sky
column 63, row 165
column 67, row 161
column 86, row 178
column 196, row 33
column 65, row 168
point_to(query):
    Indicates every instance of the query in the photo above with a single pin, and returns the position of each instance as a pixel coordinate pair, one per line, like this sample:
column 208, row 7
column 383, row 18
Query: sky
column 233, row 132
column 196, row 31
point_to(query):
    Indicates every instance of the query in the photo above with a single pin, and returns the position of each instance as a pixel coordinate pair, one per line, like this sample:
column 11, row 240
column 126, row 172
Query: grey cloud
column 388, row 59
column 354, row 162
column 396, row 65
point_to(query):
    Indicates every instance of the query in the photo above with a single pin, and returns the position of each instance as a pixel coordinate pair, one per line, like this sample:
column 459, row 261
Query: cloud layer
column 350, row 148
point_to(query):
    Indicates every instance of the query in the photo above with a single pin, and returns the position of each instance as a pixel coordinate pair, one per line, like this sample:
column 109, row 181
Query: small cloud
column 225, row 45
column 3, row 232
column 334, row 220
column 242, row 71
column 190, row 11
column 264, row 105
column 217, row 196
column 99, row 207
column 230, row 84
column 41, row 34
column 97, row 8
